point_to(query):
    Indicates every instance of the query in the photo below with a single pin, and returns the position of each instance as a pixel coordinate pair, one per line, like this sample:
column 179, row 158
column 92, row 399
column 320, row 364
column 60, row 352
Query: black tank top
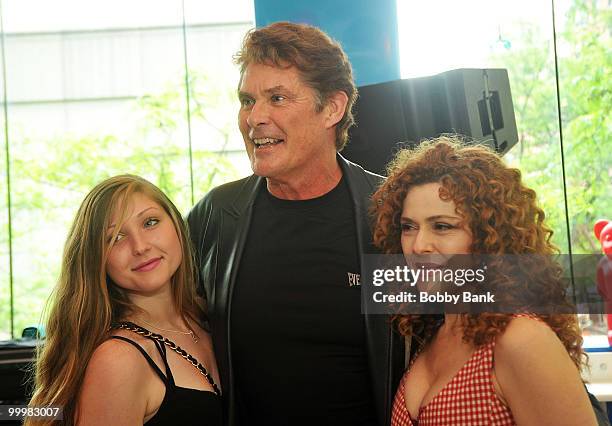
column 180, row 406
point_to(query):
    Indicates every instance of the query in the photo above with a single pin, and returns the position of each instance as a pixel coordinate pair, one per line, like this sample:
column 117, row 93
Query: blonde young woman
column 126, row 343
column 444, row 198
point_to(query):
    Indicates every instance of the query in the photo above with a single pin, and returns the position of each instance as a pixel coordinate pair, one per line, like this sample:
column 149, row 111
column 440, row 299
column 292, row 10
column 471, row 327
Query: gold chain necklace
column 190, row 332
column 176, row 348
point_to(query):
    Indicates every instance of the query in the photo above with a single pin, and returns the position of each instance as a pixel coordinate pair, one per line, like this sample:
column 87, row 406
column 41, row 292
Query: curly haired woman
column 445, row 198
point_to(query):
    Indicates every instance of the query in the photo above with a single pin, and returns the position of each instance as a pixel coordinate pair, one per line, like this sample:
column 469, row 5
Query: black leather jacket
column 219, row 224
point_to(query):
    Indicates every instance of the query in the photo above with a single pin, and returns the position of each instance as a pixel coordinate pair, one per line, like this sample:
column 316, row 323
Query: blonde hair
column 85, row 302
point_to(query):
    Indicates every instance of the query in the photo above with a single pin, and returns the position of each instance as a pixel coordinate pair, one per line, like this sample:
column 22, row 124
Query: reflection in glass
column 111, row 100
column 583, row 37
column 213, row 79
column 5, row 302
column 519, row 37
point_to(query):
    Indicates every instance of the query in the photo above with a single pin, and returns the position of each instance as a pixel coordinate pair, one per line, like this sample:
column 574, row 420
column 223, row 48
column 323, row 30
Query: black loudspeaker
column 476, row 103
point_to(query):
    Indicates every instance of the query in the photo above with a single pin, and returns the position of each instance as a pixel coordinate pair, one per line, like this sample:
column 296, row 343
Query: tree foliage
column 51, row 177
column 585, row 91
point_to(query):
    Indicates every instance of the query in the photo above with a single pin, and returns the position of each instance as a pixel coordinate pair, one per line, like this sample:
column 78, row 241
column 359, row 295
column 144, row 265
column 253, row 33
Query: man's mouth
column 265, row 142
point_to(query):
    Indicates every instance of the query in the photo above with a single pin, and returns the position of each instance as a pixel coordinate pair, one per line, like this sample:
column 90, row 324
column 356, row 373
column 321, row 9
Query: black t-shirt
column 297, row 333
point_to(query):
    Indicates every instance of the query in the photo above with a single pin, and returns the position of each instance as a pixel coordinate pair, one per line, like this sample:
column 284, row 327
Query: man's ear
column 335, row 108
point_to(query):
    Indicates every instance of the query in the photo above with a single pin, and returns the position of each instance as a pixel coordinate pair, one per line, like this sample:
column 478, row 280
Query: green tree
column 584, row 79
column 51, row 177
column 586, row 93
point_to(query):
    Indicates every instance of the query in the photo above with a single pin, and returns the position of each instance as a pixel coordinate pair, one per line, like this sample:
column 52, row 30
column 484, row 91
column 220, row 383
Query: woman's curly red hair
column 502, row 215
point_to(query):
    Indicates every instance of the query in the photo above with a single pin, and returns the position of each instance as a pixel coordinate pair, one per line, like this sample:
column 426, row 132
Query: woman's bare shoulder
column 115, row 355
column 113, row 383
column 537, row 377
column 524, row 334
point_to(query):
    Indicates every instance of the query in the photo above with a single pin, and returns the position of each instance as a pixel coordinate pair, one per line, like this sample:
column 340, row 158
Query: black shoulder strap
column 166, row 378
column 162, row 351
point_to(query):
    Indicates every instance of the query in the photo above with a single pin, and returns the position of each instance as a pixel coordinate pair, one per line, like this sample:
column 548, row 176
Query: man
column 280, row 251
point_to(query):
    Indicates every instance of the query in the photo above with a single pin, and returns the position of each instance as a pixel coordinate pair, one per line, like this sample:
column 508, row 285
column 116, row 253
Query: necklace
column 190, row 332
column 176, row 348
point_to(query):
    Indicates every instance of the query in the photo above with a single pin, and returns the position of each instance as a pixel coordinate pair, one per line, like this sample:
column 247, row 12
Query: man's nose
column 258, row 115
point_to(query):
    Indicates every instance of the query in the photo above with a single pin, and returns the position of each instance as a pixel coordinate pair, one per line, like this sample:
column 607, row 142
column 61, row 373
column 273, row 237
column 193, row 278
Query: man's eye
column 277, row 98
column 151, row 222
column 246, row 102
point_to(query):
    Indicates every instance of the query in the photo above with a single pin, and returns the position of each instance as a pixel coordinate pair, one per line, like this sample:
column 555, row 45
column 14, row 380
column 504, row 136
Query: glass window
column 441, row 35
column 151, row 91
column 94, row 93
column 583, row 29
column 218, row 149
column 5, row 291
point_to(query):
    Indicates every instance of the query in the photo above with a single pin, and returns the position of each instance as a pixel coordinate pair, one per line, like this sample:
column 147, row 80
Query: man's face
column 285, row 137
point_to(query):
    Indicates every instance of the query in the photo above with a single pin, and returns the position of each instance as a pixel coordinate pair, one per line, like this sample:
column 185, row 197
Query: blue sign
column 366, row 29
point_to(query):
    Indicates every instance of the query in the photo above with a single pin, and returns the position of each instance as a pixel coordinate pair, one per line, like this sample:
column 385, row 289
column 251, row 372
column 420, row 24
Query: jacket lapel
column 236, row 219
column 233, row 232
column 385, row 353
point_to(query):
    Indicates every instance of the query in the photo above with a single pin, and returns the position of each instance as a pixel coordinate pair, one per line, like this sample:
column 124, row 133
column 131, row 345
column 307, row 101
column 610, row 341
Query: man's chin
column 262, row 172
column 264, row 168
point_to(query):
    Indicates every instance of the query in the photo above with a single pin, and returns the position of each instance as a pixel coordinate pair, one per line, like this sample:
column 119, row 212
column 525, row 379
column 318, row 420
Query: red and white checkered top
column 468, row 399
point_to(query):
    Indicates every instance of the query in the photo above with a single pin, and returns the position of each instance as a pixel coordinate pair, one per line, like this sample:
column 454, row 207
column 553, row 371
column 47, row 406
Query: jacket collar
column 246, row 196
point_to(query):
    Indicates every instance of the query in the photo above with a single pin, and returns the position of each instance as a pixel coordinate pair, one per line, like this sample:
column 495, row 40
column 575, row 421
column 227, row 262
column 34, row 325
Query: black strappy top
column 180, row 406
